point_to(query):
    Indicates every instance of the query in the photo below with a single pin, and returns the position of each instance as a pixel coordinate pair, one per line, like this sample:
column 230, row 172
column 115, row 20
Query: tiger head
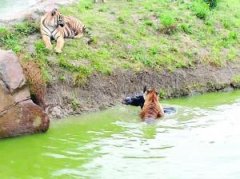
column 150, row 94
column 57, row 18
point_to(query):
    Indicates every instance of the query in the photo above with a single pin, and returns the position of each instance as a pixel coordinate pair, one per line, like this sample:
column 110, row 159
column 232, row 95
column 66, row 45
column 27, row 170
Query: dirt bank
column 102, row 91
column 135, row 41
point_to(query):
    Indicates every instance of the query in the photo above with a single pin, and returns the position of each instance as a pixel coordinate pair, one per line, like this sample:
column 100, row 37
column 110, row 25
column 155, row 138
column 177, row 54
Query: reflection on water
column 196, row 142
column 9, row 8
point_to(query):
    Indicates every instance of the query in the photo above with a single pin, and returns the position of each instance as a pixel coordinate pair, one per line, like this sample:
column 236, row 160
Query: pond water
column 9, row 8
column 200, row 141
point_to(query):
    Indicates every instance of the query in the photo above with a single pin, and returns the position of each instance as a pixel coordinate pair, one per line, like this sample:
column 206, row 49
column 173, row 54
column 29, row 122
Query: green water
column 200, row 141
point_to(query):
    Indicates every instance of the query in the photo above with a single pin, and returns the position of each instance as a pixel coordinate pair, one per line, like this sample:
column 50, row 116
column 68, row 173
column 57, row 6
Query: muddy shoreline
column 101, row 91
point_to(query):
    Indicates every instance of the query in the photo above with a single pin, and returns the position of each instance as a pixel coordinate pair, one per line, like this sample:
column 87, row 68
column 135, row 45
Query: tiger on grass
column 55, row 26
column 152, row 109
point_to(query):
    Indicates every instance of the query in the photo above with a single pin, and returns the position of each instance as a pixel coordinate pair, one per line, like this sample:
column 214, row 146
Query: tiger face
column 58, row 18
column 146, row 92
column 150, row 95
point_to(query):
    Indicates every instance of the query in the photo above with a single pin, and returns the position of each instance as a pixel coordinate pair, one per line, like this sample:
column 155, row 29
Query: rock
column 18, row 114
column 21, row 95
column 11, row 72
column 23, row 118
column 6, row 99
column 57, row 112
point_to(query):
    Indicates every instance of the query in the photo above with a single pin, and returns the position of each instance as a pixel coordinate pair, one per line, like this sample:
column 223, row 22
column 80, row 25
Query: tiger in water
column 55, row 26
column 152, row 109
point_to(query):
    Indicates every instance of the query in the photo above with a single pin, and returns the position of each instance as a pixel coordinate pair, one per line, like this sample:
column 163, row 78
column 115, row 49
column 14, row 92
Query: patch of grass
column 226, row 23
column 200, row 9
column 40, row 48
column 75, row 104
column 121, row 19
column 148, row 22
column 167, row 20
column 62, row 78
column 162, row 94
column 169, row 23
column 80, row 78
column 212, row 3
column 186, row 28
column 26, row 28
column 230, row 39
column 9, row 40
column 236, row 80
column 232, row 54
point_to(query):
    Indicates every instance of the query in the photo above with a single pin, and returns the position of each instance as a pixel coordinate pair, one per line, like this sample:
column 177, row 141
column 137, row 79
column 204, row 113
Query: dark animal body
column 138, row 100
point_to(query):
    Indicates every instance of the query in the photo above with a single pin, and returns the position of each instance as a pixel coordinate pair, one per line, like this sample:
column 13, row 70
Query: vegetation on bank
column 135, row 34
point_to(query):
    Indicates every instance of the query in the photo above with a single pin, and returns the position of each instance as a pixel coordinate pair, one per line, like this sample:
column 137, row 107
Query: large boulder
column 18, row 114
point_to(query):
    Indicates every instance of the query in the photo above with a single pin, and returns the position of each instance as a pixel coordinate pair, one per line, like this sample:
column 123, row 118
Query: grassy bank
column 135, row 34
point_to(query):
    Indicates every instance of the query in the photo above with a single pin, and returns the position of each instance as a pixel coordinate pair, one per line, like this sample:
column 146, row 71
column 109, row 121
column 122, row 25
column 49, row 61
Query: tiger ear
column 144, row 89
column 54, row 11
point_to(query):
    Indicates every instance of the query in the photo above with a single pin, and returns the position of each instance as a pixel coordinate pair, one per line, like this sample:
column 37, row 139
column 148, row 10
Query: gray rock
column 11, row 72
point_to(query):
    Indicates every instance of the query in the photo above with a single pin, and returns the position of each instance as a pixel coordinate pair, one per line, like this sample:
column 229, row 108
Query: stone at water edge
column 18, row 114
column 23, row 118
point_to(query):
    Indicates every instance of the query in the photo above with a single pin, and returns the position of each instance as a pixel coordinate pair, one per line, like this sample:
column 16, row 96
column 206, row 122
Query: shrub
column 236, row 81
column 230, row 39
column 26, row 28
column 168, row 22
column 9, row 40
column 186, row 28
column 200, row 9
column 212, row 3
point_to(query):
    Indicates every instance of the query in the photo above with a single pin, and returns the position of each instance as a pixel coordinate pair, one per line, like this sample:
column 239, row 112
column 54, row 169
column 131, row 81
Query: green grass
column 136, row 34
column 236, row 79
column 200, row 9
column 167, row 20
column 11, row 38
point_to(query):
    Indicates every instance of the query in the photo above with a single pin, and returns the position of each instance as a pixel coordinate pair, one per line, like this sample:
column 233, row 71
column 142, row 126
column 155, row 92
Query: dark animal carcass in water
column 138, row 100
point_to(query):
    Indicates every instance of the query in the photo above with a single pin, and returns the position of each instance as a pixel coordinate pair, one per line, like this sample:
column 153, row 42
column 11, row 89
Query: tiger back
column 151, row 108
column 73, row 28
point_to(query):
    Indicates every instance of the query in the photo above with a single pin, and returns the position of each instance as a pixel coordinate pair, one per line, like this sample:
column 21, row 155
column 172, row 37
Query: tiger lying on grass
column 55, row 26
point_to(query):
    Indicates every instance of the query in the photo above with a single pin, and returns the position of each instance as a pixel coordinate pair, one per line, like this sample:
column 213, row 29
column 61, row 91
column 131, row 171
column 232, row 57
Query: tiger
column 152, row 109
column 55, row 26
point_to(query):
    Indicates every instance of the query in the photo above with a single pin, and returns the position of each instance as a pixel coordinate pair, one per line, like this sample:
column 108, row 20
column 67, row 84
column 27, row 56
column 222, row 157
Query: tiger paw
column 49, row 47
column 58, row 50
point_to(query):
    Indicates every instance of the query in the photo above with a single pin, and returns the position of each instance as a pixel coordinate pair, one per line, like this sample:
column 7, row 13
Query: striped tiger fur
column 152, row 109
column 57, row 27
